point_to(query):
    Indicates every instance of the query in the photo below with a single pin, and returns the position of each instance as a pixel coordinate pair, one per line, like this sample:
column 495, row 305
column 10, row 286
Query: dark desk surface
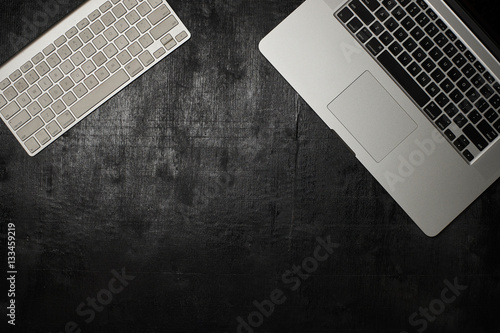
column 208, row 180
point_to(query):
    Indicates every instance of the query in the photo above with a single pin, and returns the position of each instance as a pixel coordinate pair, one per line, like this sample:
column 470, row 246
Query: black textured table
column 208, row 197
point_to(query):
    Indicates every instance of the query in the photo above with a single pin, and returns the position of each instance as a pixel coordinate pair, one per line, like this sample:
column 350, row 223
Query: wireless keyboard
column 72, row 69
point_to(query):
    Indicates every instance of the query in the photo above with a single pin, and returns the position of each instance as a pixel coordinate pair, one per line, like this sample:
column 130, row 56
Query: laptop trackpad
column 372, row 116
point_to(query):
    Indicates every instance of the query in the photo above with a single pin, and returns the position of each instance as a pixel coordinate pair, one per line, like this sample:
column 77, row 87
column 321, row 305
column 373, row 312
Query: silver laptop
column 412, row 87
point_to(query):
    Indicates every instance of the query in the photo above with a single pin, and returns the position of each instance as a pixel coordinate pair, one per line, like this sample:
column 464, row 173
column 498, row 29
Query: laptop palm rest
column 372, row 116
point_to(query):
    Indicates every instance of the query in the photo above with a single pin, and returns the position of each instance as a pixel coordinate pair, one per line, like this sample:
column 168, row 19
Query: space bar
column 404, row 79
column 99, row 93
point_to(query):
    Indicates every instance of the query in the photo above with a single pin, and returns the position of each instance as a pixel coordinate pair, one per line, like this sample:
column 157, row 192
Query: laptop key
column 389, row 4
column 361, row 11
column 364, row 35
column 371, row 4
column 476, row 138
column 374, row 46
column 461, row 142
column 443, row 122
column 345, row 15
column 432, row 110
column 354, row 25
column 403, row 78
column 460, row 120
column 488, row 131
column 468, row 155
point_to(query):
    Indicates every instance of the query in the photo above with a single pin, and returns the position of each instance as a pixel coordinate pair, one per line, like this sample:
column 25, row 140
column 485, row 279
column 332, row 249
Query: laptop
column 412, row 87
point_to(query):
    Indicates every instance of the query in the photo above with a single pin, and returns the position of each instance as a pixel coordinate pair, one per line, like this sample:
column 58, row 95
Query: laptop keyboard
column 58, row 80
column 433, row 66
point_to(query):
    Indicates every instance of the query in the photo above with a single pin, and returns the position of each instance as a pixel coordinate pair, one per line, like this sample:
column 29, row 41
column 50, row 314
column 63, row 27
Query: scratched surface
column 207, row 180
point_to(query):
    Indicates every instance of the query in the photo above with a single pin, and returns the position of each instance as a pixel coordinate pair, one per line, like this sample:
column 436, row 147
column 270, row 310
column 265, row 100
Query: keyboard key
column 450, row 135
column 97, row 95
column 410, row 45
column 391, row 24
column 395, row 48
column 30, row 128
column 34, row 108
column 414, row 69
column 164, row 27
column 146, row 40
column 34, row 91
column 132, row 34
column 53, row 128
column 475, row 137
column 451, row 110
column 422, row 20
column 69, row 98
column 26, row 67
column 463, row 85
column 482, row 105
column 461, row 143
column 495, row 101
column 21, row 85
column 465, row 106
column 49, row 49
column 454, row 74
column 442, row 100
column 47, row 115
column 371, row 4
column 119, row 10
column 479, row 67
column 459, row 60
column 432, row 110
column 19, row 120
column 36, row 59
column 399, row 13
column 382, row 14
column 456, row 96
column 144, row 9
column 3, row 102
column 94, row 15
column 121, row 25
column 10, row 110
column 472, row 94
column 487, row 91
column 374, row 46
column 432, row 89
column 460, row 120
column 32, row 145
column 488, row 132
column 443, row 122
column 474, row 117
column 65, row 119
column 431, row 30
column 389, row 4
column 58, row 107
column 419, row 55
column 146, row 58
column 82, row 24
column 438, row 75
column 42, row 137
column 97, row 27
column 404, row 58
column 10, row 93
column 491, row 115
column 408, row 23
column 428, row 65
column 132, row 17
column 161, row 12
column 468, row 155
column 377, row 28
column 413, row 9
column 134, row 67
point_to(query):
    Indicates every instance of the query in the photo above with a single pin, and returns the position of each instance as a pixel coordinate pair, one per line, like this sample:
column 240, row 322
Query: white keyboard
column 72, row 69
